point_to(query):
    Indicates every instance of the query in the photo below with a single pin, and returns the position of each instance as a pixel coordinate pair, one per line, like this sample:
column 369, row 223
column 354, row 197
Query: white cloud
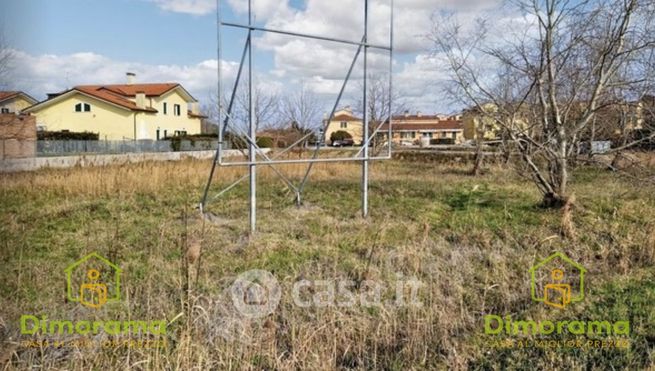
column 50, row 73
column 322, row 64
column 319, row 66
column 262, row 9
column 195, row 7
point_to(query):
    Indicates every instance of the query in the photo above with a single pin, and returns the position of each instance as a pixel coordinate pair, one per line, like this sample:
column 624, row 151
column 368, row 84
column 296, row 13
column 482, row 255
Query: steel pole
column 298, row 34
column 253, row 134
column 365, row 163
column 389, row 128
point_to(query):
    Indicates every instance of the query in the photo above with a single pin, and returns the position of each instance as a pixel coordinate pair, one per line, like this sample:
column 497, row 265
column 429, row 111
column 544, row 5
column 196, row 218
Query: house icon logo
column 557, row 281
column 93, row 281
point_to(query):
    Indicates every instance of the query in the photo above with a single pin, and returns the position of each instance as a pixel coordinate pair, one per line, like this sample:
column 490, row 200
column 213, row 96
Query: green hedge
column 340, row 135
column 66, row 135
column 265, row 142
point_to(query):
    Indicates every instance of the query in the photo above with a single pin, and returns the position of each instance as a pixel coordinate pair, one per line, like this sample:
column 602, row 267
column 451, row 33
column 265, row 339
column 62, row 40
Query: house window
column 82, row 107
column 177, row 111
column 165, row 108
column 454, row 135
column 407, row 135
column 444, row 135
column 427, row 135
column 5, row 110
column 344, row 125
column 180, row 133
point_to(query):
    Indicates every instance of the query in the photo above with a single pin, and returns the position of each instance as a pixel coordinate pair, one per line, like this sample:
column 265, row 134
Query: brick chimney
column 131, row 76
column 140, row 99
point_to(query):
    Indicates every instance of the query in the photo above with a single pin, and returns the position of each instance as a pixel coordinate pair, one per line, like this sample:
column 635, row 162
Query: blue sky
column 62, row 43
column 119, row 29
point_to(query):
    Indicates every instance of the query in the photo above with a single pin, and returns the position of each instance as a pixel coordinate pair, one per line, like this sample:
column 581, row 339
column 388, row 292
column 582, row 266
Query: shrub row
column 66, row 135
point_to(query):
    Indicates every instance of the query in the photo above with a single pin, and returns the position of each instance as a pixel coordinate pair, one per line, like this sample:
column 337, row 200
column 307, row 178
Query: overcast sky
column 64, row 43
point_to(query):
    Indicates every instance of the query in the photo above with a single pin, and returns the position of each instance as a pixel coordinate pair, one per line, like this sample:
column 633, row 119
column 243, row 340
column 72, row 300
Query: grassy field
column 469, row 240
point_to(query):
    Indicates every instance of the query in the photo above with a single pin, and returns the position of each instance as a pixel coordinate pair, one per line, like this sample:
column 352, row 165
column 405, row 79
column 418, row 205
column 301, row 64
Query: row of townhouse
column 612, row 120
column 406, row 129
column 116, row 112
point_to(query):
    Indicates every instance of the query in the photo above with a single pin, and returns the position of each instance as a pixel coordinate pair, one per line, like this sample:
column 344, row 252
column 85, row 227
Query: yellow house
column 119, row 112
column 477, row 125
column 15, row 101
column 344, row 120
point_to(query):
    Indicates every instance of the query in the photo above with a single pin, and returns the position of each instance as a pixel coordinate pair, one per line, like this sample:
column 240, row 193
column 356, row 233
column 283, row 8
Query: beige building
column 121, row 112
column 477, row 125
column 409, row 129
column 344, row 120
column 15, row 101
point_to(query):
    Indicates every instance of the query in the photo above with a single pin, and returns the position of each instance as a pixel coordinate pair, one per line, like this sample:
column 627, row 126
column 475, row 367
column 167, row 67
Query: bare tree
column 265, row 106
column 544, row 86
column 6, row 58
column 300, row 115
column 301, row 108
column 379, row 101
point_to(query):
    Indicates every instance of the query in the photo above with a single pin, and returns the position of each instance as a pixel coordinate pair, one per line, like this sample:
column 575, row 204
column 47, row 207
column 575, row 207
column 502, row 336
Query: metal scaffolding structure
column 225, row 119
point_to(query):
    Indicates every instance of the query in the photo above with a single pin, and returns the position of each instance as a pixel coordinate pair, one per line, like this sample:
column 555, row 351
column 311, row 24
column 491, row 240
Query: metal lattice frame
column 363, row 155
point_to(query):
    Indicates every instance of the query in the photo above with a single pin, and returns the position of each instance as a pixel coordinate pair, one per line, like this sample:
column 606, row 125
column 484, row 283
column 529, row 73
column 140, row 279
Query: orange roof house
column 125, row 111
column 409, row 129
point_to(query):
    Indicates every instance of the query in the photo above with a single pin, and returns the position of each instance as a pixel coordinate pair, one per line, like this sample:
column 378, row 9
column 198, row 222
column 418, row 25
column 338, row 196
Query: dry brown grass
column 469, row 240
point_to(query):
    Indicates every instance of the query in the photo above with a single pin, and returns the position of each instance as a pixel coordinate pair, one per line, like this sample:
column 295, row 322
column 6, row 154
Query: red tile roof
column 345, row 117
column 111, row 96
column 150, row 90
column 120, row 94
column 7, row 94
column 416, row 117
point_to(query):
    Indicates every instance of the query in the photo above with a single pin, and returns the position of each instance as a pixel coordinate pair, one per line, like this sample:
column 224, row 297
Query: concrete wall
column 17, row 136
column 31, row 164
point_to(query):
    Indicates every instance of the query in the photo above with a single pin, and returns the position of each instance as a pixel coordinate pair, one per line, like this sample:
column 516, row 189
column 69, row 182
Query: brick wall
column 17, row 136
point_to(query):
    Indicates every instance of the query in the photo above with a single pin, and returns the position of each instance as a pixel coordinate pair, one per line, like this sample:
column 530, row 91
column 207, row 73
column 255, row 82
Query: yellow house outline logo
column 556, row 286
column 92, row 285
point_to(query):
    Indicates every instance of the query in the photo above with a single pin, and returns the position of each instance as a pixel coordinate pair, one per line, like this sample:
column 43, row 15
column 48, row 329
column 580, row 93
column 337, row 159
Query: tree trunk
column 479, row 159
column 479, row 155
column 553, row 201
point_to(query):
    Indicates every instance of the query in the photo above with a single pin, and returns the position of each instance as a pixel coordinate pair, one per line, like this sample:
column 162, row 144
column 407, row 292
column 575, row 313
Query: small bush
column 265, row 142
column 442, row 141
column 66, row 135
column 176, row 141
column 340, row 135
